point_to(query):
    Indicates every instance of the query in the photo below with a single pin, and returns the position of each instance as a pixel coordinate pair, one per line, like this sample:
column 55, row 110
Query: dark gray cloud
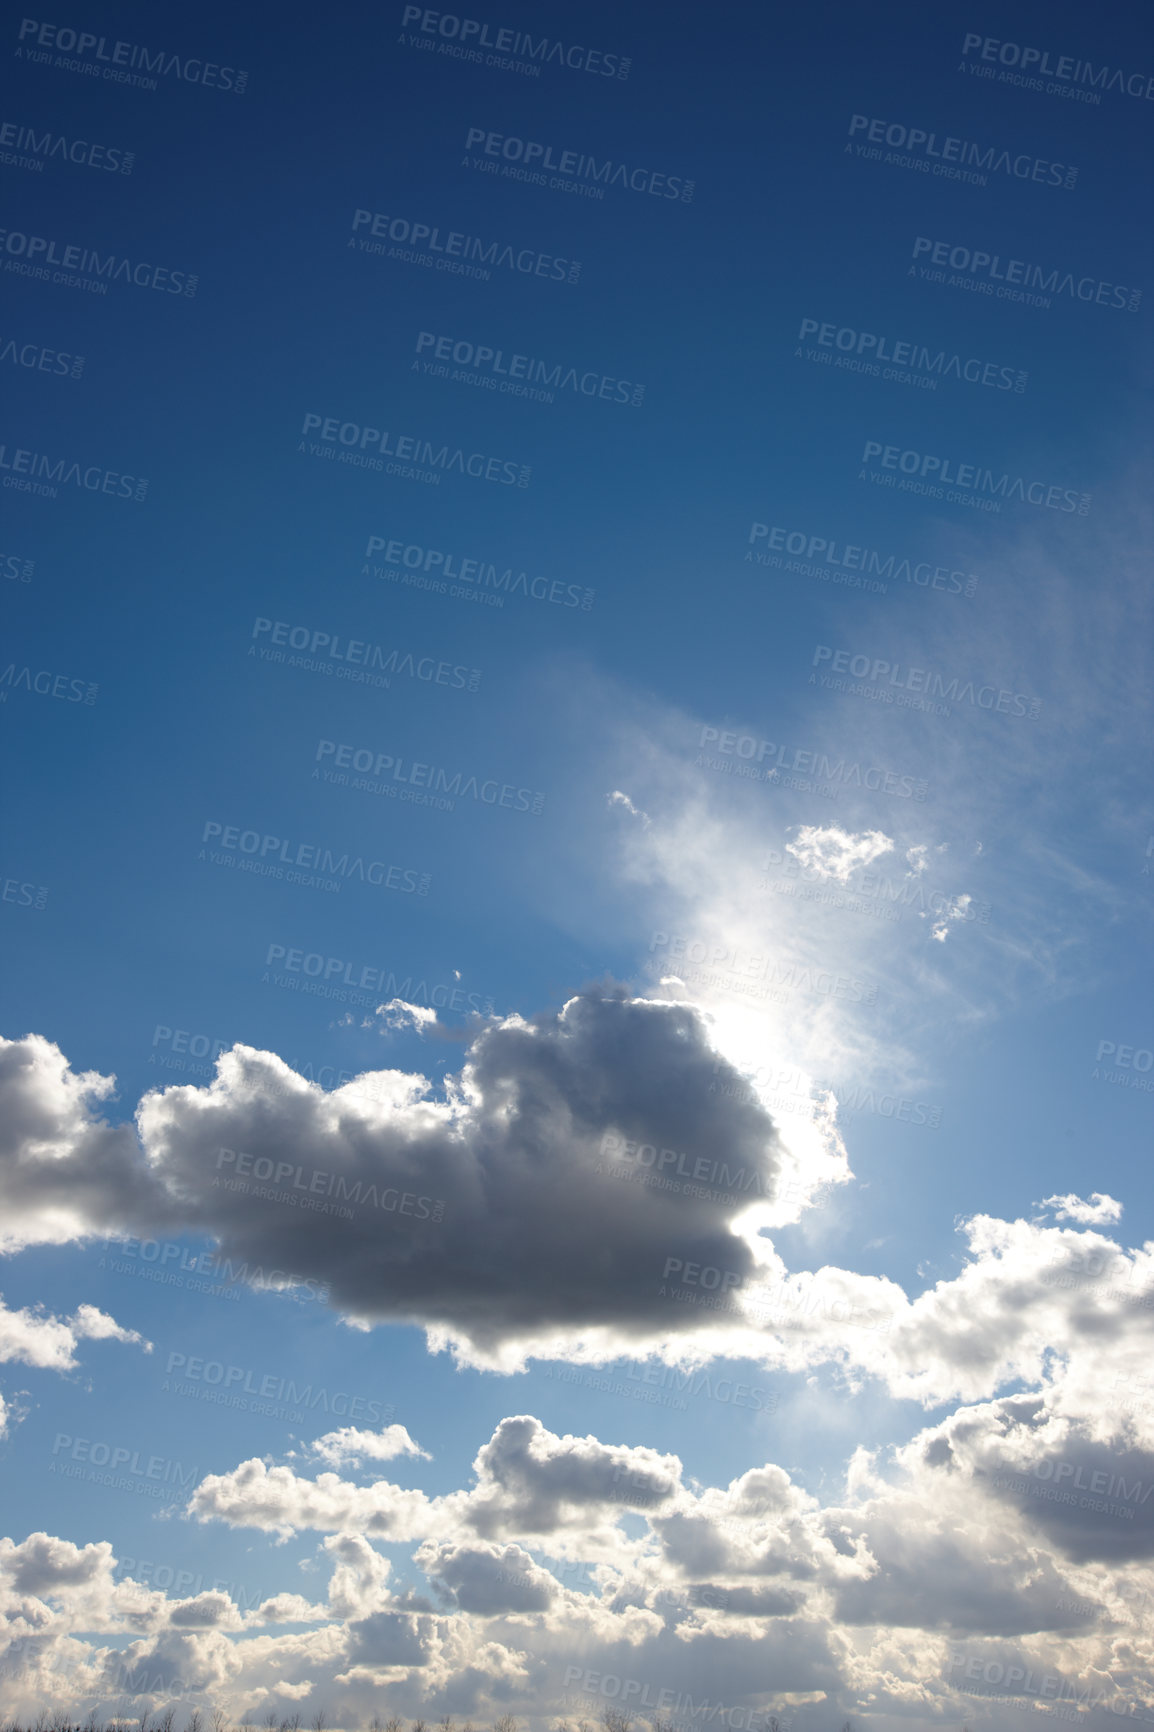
column 943, row 1578
column 533, row 1482
column 495, row 1216
column 390, row 1639
column 1094, row 1501
column 489, row 1580
column 67, row 1172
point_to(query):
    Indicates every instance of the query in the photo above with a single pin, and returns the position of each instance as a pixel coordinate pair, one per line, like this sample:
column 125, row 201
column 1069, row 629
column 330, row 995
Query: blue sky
column 792, row 820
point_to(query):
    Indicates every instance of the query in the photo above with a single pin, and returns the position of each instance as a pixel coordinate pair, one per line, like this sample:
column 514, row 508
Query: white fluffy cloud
column 1100, row 1211
column 349, row 1444
column 934, row 1558
column 531, row 1485
column 278, row 1501
column 836, row 854
column 31, row 1338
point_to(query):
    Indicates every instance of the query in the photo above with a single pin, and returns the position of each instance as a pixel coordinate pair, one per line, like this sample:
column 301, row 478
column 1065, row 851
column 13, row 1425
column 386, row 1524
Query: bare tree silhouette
column 615, row 1720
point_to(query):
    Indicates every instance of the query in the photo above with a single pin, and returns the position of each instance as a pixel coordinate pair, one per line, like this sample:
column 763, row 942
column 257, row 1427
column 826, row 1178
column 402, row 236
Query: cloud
column 49, row 1343
column 556, row 1238
column 531, row 1483
column 397, row 1014
column 360, row 1576
column 94, row 1325
column 1018, row 1530
column 276, row 1500
column 836, row 854
column 67, row 1172
column 492, row 1216
column 489, row 1580
column 1100, row 1211
column 351, row 1445
column 616, row 798
column 955, row 909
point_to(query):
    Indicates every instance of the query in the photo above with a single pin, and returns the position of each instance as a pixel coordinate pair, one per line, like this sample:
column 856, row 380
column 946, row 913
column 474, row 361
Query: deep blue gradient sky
column 645, row 625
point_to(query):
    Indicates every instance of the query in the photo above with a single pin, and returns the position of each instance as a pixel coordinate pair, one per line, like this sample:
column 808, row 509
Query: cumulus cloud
column 352, row 1445
column 31, row 1338
column 833, row 853
column 493, row 1216
column 67, row 1172
column 752, row 1592
column 358, row 1586
column 397, row 1014
column 1100, row 1211
column 551, row 1238
column 534, row 1483
column 488, row 1580
column 277, row 1500
column 531, row 1484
